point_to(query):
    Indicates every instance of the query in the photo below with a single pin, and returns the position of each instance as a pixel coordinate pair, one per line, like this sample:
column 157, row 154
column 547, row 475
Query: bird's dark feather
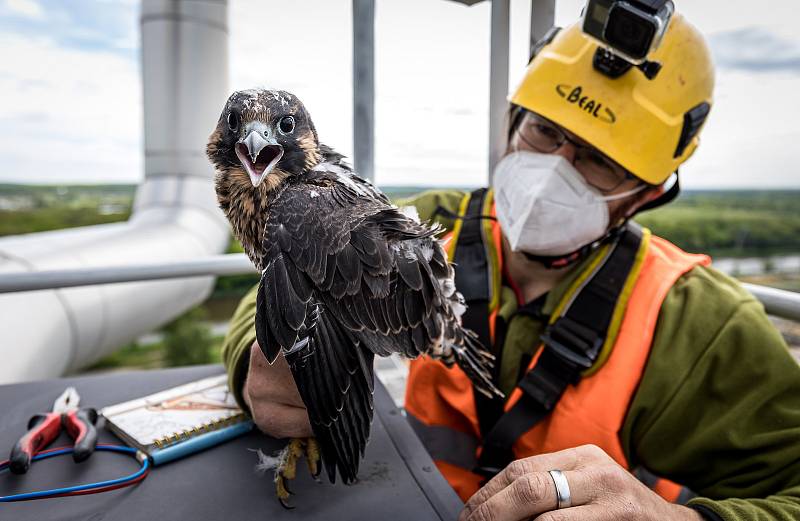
column 334, row 375
column 345, row 275
column 333, row 240
column 268, row 344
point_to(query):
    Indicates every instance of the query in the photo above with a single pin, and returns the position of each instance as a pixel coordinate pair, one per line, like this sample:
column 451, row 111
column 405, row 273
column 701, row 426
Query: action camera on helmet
column 630, row 29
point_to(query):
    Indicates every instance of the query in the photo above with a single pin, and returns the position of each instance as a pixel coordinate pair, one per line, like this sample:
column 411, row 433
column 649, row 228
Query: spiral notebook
column 179, row 421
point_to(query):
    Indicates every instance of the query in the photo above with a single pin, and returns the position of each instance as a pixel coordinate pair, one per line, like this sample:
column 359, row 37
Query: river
column 750, row 266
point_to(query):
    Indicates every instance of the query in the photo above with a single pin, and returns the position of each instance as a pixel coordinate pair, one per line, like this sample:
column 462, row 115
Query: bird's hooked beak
column 258, row 151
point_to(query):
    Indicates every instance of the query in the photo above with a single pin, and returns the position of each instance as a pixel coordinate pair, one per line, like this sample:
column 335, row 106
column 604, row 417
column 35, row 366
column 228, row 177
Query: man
column 618, row 352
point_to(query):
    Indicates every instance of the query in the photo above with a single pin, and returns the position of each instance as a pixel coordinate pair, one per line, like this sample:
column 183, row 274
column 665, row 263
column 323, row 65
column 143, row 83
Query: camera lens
column 629, row 32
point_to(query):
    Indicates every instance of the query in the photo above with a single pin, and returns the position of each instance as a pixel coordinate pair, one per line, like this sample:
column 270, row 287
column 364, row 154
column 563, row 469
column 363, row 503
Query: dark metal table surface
column 397, row 479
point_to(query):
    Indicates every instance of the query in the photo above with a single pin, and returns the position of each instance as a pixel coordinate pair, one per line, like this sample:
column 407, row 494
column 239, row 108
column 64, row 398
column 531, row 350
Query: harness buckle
column 573, row 343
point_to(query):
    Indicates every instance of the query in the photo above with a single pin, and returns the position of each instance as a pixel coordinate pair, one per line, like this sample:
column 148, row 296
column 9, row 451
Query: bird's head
column 262, row 138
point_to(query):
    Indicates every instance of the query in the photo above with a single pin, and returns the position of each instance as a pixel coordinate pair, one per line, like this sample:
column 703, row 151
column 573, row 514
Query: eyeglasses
column 542, row 135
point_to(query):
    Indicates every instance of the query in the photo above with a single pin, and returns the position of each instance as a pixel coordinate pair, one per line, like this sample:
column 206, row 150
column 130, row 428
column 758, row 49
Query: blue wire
column 76, row 488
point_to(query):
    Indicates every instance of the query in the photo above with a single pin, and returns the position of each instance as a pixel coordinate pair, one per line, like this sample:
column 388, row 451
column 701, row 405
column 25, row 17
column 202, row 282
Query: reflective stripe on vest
column 441, row 401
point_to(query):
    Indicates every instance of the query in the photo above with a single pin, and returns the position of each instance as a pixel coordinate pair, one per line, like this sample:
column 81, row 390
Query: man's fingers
column 256, row 356
column 273, row 382
column 282, row 421
column 271, row 394
column 563, row 460
column 523, row 498
column 528, row 496
column 581, row 513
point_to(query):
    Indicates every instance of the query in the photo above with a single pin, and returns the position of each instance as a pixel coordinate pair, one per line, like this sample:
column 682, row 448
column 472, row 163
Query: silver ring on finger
column 563, row 496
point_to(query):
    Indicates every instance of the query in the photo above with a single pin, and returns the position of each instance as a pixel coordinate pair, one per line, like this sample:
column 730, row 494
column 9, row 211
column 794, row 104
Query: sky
column 71, row 106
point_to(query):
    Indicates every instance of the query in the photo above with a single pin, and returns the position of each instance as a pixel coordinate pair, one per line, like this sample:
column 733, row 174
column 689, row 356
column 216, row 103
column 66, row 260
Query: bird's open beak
column 258, row 152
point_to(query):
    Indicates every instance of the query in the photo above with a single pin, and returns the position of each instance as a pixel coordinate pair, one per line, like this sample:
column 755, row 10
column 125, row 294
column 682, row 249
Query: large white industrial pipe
column 175, row 215
column 498, row 81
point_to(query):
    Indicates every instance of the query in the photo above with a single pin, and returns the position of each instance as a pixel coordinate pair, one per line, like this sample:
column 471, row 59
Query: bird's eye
column 233, row 121
column 286, row 125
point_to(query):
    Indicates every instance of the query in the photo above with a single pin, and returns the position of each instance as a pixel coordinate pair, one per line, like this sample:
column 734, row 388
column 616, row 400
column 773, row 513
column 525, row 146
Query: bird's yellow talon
column 287, row 469
column 313, row 457
column 280, row 488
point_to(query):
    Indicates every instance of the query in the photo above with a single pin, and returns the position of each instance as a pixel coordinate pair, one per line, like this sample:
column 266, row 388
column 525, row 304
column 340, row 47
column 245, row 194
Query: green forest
column 722, row 223
column 730, row 223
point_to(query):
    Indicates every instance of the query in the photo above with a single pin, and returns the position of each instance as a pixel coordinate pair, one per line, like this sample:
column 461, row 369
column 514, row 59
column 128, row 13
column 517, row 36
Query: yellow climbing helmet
column 649, row 126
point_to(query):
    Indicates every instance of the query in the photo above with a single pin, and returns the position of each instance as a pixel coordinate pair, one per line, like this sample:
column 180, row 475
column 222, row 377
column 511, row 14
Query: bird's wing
column 335, row 378
column 377, row 271
column 348, row 276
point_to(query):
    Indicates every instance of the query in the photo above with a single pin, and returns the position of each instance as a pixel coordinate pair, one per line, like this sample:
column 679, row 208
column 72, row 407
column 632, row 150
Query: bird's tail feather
column 477, row 363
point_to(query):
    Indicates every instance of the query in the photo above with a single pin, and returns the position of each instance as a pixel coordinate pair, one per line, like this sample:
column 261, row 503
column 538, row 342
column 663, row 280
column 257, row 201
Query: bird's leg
column 287, row 469
column 313, row 457
column 287, row 466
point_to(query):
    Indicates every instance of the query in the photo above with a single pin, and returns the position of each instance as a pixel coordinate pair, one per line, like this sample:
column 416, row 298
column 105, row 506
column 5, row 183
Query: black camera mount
column 628, row 31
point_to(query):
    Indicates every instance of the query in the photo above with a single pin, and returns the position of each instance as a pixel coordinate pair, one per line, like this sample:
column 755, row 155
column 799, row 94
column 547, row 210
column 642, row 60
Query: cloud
column 749, row 140
column 79, row 24
column 71, row 109
column 755, row 49
column 431, row 89
column 68, row 115
column 26, row 8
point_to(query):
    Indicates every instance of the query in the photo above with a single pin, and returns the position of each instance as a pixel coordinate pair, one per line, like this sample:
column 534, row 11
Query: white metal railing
column 231, row 264
column 777, row 302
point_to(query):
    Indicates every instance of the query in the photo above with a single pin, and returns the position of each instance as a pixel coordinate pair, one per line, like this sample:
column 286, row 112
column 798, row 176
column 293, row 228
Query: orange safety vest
column 441, row 406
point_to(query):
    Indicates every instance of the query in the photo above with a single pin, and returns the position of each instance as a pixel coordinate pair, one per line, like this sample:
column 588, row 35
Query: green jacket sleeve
column 236, row 345
column 241, row 332
column 429, row 205
column 718, row 408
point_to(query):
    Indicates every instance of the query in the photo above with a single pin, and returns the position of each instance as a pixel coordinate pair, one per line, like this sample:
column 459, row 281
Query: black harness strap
column 472, row 265
column 571, row 345
column 473, row 280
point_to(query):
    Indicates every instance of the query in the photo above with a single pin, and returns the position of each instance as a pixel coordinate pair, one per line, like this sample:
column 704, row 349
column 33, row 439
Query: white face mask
column 545, row 207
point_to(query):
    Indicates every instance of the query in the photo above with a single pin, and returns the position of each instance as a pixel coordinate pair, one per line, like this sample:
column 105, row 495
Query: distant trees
column 13, row 222
column 724, row 223
column 746, row 223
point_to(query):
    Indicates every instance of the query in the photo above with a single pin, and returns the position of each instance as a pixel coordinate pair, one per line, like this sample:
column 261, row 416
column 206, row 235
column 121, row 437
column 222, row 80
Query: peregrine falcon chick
column 345, row 275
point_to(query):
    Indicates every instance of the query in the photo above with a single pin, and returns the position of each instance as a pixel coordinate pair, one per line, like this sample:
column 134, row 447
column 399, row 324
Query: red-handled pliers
column 44, row 428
